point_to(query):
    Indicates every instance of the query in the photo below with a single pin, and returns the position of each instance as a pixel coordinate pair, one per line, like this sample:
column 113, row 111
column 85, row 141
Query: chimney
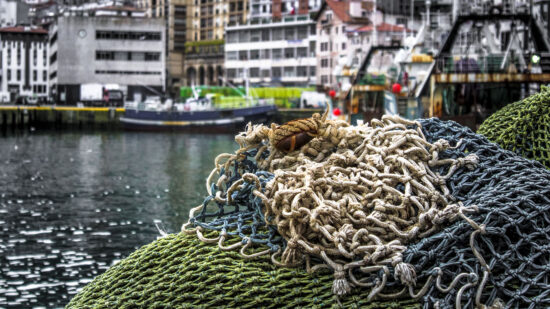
column 303, row 7
column 276, row 9
column 355, row 8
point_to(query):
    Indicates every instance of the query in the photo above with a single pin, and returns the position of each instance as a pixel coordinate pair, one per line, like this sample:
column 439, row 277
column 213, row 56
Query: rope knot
column 340, row 285
column 405, row 273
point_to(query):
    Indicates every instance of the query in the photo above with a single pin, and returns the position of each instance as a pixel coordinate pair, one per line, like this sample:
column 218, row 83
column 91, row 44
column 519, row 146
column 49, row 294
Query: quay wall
column 63, row 117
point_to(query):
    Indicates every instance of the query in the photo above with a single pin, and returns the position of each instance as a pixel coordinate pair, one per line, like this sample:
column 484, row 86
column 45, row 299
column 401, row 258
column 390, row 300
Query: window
column 324, row 80
column 302, row 33
column 289, row 53
column 254, row 72
column 289, row 72
column 44, row 56
column 18, row 75
column 277, row 53
column 302, row 72
column 254, row 54
column 231, row 73
column 9, row 74
column 128, row 35
column 244, row 36
column 111, row 72
column 324, row 46
column 277, row 34
column 232, row 55
column 264, row 53
column 265, row 73
column 18, row 55
column 343, row 46
column 243, row 55
column 312, row 71
column 289, row 34
column 35, row 57
column 255, row 35
column 44, row 75
column 302, row 52
column 34, row 75
column 265, row 35
column 232, row 37
column 276, row 72
column 324, row 63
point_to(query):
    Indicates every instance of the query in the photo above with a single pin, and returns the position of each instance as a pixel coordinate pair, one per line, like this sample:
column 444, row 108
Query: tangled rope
column 346, row 198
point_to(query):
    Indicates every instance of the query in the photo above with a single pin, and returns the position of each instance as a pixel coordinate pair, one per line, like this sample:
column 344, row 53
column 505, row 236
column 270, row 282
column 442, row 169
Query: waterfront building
column 260, row 9
column 24, row 62
column 177, row 36
column 109, row 45
column 152, row 8
column 205, row 33
column 13, row 12
column 333, row 23
column 272, row 52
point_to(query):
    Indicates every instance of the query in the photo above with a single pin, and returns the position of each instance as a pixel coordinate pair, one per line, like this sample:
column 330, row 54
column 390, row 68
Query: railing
column 270, row 21
column 494, row 63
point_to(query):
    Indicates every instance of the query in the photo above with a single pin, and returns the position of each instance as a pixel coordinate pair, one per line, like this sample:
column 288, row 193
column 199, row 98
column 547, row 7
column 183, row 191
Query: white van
column 4, row 97
column 312, row 99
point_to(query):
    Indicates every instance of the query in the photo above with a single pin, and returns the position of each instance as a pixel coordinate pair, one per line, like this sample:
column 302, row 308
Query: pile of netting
column 523, row 127
column 375, row 204
column 498, row 255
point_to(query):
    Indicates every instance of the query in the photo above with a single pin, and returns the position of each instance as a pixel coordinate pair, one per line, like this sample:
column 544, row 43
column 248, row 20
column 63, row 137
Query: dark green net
column 523, row 127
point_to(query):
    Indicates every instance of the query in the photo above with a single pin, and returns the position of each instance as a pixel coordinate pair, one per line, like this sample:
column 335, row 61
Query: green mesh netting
column 523, row 127
column 179, row 271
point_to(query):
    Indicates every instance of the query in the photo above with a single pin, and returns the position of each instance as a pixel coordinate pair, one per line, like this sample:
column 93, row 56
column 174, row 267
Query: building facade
column 336, row 19
column 24, row 62
column 177, row 36
column 205, row 37
column 107, row 46
column 272, row 53
column 13, row 12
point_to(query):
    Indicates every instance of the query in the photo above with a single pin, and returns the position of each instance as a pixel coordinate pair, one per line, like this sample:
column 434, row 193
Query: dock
column 72, row 117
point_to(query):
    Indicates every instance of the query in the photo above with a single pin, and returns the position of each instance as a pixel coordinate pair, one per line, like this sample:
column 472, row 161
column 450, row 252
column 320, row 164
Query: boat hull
column 216, row 121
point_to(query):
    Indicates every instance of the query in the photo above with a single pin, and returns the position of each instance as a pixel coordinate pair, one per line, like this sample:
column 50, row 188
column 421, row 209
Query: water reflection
column 73, row 204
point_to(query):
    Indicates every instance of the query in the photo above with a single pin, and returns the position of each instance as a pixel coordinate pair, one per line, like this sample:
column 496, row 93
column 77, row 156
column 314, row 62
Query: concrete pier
column 60, row 117
column 64, row 117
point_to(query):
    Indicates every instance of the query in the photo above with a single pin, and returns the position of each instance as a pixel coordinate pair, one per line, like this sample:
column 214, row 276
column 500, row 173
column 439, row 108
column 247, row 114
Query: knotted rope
column 350, row 197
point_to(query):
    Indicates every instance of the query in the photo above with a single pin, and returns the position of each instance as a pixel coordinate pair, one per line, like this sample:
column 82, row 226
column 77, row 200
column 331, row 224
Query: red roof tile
column 23, row 29
column 341, row 10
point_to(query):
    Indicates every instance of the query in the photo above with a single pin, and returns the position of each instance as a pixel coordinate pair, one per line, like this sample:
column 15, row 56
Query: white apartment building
column 272, row 52
column 336, row 19
column 110, row 45
column 264, row 8
column 24, row 62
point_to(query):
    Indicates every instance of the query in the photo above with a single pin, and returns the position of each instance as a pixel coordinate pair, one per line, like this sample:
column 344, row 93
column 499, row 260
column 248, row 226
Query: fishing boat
column 199, row 114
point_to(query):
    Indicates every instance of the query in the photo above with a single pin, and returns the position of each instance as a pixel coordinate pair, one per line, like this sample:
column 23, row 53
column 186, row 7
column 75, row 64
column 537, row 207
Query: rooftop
column 23, row 29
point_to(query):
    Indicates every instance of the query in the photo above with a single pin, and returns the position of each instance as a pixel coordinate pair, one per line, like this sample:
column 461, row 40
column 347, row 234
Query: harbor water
column 72, row 204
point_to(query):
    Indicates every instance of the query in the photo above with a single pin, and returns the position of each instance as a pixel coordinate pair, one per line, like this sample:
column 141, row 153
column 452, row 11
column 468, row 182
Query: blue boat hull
column 224, row 120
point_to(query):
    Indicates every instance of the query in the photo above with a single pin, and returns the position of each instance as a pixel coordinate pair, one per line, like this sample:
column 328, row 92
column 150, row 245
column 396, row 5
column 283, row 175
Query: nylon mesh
column 523, row 127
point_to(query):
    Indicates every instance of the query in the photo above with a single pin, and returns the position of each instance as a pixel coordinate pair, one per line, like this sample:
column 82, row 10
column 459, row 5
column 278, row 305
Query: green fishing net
column 180, row 271
column 523, row 127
